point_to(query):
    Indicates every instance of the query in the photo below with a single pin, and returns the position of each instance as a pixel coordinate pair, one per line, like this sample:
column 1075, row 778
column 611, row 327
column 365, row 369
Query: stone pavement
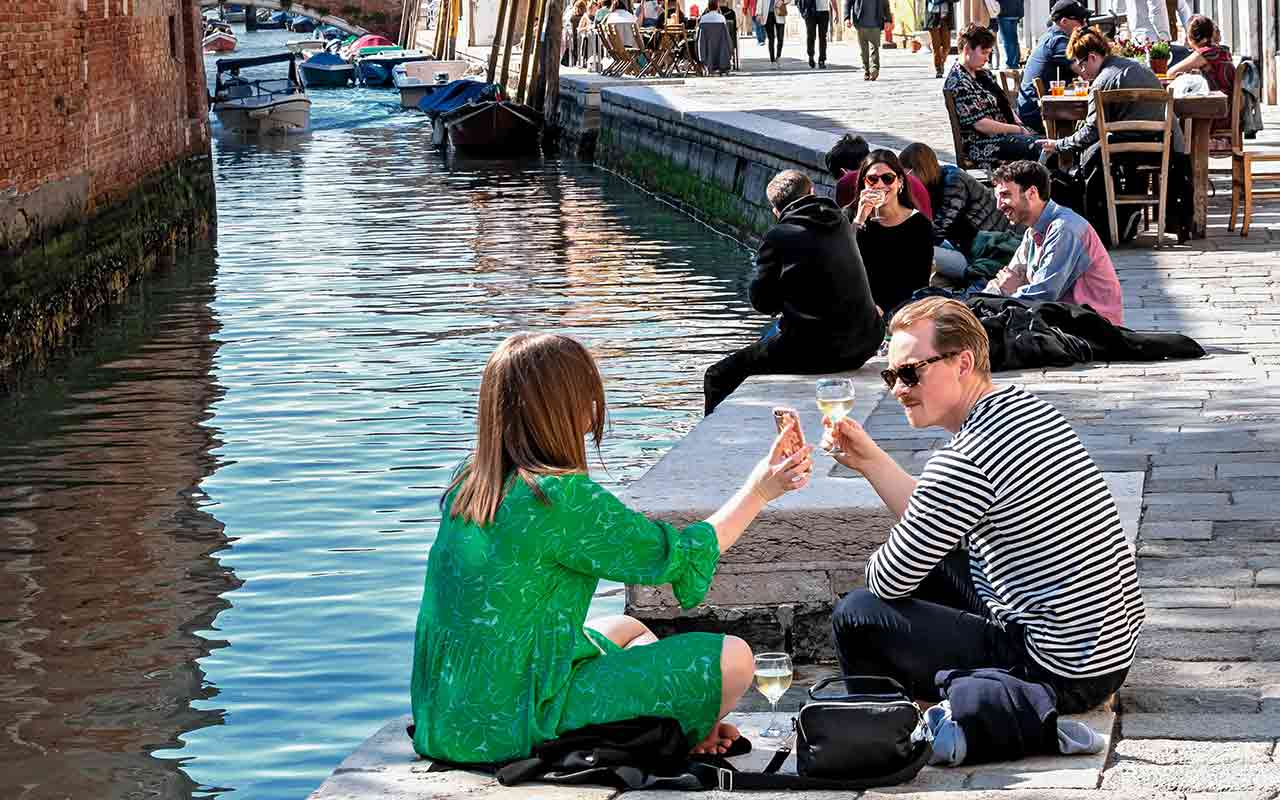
column 1200, row 714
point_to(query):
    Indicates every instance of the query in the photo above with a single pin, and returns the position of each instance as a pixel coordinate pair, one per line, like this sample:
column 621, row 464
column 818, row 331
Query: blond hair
column 955, row 328
column 539, row 396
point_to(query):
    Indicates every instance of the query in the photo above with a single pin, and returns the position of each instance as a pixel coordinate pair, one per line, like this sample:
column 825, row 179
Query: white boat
column 303, row 46
column 276, row 106
column 417, row 79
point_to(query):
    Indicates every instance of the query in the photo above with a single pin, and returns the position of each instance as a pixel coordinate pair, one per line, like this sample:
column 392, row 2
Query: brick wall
column 96, row 94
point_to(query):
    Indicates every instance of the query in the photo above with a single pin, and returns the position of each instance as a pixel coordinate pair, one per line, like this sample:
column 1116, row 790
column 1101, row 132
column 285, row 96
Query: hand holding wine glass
column 869, row 203
column 835, row 400
column 773, row 679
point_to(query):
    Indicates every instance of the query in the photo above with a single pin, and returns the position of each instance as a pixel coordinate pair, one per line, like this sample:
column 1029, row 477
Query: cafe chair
column 1155, row 187
column 962, row 160
column 1011, row 82
column 1242, row 160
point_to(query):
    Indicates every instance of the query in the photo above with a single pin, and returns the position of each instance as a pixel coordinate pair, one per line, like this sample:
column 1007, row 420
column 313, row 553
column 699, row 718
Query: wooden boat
column 219, row 41
column 303, row 46
column 277, row 105
column 417, row 79
column 326, row 69
column 375, row 69
column 493, row 127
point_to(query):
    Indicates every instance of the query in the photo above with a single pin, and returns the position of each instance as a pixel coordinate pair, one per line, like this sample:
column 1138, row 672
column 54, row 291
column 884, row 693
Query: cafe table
column 1202, row 111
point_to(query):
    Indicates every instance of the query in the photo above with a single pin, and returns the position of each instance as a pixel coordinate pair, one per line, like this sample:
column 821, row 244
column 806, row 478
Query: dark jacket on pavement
column 963, row 208
column 1049, row 62
column 809, row 270
column 868, row 13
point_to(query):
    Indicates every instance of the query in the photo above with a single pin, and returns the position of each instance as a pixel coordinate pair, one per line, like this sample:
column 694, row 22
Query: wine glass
column 773, row 679
column 835, row 401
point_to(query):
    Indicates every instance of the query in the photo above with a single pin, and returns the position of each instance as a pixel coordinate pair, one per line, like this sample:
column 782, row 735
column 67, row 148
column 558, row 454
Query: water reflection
column 107, row 558
column 360, row 284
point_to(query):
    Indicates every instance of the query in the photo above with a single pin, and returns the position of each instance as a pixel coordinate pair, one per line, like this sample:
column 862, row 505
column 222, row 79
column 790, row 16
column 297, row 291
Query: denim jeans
column 946, row 625
column 1009, row 41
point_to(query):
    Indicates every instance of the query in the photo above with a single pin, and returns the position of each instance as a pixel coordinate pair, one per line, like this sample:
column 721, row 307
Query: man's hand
column 1008, row 280
column 1047, row 145
column 858, row 446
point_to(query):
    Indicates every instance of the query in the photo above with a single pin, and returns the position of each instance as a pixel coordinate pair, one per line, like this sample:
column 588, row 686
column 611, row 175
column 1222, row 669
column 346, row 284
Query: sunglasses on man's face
column 887, row 179
column 909, row 374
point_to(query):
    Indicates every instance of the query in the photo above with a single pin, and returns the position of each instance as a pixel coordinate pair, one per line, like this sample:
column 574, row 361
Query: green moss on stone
column 62, row 276
column 661, row 175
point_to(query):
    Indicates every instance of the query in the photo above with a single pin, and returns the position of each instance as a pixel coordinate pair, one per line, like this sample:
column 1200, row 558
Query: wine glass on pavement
column 773, row 679
column 835, row 401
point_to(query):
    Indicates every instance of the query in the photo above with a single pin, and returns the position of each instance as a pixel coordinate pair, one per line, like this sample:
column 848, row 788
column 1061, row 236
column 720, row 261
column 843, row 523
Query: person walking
column 773, row 15
column 1011, row 12
column 817, row 19
column 940, row 21
column 869, row 17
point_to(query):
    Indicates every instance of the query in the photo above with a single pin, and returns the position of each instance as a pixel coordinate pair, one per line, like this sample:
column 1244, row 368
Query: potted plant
column 1159, row 57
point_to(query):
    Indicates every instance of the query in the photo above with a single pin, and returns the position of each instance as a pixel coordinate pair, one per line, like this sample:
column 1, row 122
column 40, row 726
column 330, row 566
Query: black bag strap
column 726, row 778
column 860, row 686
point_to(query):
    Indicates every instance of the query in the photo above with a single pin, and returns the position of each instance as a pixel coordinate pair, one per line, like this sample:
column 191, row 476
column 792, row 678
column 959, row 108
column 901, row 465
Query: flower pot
column 1159, row 65
column 915, row 45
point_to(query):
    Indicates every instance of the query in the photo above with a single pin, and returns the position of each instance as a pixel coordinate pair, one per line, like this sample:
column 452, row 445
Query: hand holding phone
column 782, row 417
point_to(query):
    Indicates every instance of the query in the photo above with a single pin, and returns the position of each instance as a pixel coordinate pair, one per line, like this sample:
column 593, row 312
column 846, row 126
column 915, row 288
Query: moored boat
column 327, row 70
column 475, row 117
column 374, row 69
column 417, row 79
column 350, row 48
column 304, row 46
column 300, row 23
column 219, row 41
column 277, row 105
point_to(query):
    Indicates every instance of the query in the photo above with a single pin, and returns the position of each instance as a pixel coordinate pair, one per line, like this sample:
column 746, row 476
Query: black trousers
column 817, row 23
column 778, row 354
column 775, row 29
column 946, row 625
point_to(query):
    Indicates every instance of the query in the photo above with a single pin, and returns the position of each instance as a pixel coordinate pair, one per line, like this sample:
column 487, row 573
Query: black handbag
column 871, row 732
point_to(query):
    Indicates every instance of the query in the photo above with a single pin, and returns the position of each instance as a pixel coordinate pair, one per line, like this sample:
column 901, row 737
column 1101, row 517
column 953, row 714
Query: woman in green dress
column 504, row 656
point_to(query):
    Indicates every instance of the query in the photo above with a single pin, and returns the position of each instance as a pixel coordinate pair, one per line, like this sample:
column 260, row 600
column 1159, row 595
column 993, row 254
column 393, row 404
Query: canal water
column 216, row 508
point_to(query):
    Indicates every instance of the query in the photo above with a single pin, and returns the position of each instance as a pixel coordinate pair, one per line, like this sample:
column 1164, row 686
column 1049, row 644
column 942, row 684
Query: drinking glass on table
column 1057, row 88
column 773, row 679
column 835, row 401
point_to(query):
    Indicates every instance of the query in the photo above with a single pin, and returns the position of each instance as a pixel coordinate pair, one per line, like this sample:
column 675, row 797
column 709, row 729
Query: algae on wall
column 62, row 275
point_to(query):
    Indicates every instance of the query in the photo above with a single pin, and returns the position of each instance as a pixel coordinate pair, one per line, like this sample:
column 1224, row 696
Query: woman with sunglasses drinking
column 1008, row 552
column 895, row 240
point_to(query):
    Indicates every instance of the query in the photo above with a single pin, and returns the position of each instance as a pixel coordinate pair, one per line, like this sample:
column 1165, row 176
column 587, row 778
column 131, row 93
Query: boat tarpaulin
column 372, row 40
column 323, row 59
column 455, row 94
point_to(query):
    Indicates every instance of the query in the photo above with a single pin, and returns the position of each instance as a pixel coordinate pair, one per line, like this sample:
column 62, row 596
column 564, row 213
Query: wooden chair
column 1011, row 82
column 625, row 63
column 1109, row 149
column 962, row 160
column 1242, row 160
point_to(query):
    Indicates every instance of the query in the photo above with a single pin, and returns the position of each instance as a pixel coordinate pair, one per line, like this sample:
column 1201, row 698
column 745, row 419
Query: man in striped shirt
column 1008, row 551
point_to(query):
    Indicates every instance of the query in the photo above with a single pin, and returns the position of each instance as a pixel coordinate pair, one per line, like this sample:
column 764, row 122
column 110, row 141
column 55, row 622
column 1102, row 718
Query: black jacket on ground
column 1045, row 334
column 809, row 270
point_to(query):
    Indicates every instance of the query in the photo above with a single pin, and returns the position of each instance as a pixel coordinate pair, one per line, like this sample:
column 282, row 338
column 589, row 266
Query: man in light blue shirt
column 1061, row 257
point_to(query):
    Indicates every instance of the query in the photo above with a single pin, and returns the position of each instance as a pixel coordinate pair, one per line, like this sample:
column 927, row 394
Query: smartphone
column 795, row 439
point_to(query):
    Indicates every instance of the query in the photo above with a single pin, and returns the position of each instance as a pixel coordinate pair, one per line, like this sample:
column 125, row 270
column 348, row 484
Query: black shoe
column 822, row 65
column 811, row 64
column 939, row 75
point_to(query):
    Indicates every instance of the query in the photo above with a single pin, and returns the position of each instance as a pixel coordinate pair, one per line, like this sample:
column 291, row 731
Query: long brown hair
column 538, row 393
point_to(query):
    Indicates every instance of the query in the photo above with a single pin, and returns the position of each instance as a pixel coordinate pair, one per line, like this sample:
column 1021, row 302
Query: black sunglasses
column 887, row 179
column 909, row 374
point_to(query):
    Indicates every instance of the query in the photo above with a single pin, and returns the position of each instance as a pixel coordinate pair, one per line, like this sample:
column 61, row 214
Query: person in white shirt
column 1148, row 19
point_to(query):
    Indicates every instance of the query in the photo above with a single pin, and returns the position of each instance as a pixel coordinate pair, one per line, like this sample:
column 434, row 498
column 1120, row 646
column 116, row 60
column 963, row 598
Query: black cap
column 1069, row 9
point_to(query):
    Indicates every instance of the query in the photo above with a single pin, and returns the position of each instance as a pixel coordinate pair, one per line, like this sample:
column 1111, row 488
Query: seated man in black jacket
column 809, row 270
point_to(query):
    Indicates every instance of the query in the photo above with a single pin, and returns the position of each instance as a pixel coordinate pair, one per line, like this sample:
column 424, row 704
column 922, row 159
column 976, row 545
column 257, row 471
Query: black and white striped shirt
column 1046, row 548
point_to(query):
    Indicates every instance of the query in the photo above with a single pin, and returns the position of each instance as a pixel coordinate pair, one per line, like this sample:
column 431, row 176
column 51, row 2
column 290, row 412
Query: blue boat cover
column 456, row 94
column 324, row 59
column 280, row 16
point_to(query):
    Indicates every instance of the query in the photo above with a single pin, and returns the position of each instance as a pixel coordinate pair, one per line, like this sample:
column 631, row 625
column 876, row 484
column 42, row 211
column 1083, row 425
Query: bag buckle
column 724, row 779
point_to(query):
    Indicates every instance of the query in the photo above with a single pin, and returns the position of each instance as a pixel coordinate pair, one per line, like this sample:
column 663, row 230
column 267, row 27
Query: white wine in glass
column 835, row 400
column 773, row 679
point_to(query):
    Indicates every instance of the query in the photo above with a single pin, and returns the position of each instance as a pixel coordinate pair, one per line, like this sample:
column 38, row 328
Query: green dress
column 501, row 658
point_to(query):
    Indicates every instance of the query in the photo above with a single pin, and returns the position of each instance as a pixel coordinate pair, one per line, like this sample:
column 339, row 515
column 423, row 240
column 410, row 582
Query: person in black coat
column 809, row 271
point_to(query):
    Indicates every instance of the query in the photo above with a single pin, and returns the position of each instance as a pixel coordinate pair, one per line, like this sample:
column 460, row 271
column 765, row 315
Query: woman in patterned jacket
column 989, row 129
